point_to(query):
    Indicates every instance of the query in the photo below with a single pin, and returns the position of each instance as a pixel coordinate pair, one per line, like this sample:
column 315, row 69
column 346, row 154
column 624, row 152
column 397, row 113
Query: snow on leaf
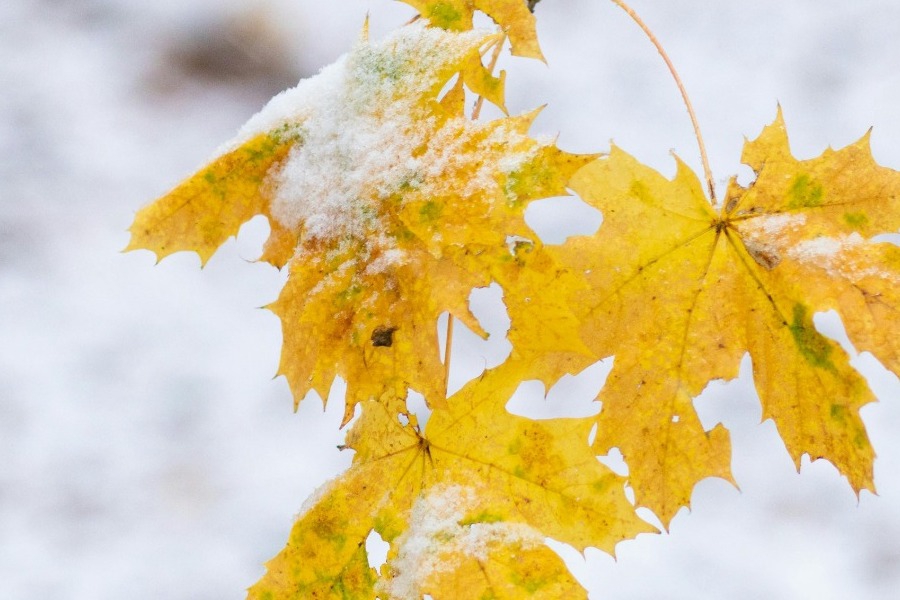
column 386, row 203
column 681, row 292
column 465, row 505
column 443, row 552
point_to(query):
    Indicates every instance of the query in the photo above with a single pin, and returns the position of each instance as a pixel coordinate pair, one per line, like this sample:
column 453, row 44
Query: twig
column 687, row 101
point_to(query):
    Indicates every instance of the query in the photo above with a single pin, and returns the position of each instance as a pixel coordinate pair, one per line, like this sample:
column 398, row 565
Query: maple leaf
column 537, row 289
column 387, row 204
column 513, row 17
column 465, row 505
column 680, row 292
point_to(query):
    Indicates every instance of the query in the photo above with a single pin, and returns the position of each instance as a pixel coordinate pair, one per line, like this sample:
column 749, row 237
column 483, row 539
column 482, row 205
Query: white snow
column 843, row 256
column 360, row 121
column 436, row 540
column 368, row 137
column 774, row 238
column 766, row 236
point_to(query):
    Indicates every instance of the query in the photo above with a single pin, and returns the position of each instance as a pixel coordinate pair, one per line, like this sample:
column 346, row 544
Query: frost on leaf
column 385, row 202
column 465, row 506
column 680, row 292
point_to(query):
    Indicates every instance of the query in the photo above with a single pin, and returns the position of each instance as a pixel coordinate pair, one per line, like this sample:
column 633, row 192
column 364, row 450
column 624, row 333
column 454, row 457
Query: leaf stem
column 476, row 112
column 448, row 346
column 704, row 158
column 479, row 102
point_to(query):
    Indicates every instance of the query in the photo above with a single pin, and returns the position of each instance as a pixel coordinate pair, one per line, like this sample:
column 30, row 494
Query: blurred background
column 145, row 449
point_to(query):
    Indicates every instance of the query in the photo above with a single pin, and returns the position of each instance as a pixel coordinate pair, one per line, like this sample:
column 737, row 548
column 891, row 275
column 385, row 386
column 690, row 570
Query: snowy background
column 146, row 451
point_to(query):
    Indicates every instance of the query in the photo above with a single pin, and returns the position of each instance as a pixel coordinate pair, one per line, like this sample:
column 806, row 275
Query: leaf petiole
column 684, row 95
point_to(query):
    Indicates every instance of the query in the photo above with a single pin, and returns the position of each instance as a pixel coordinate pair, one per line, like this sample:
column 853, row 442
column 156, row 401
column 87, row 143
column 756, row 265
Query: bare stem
column 479, row 102
column 476, row 112
column 684, row 95
column 448, row 346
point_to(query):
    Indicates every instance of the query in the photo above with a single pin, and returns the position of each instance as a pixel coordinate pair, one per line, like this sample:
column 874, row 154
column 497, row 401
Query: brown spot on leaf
column 383, row 336
column 764, row 255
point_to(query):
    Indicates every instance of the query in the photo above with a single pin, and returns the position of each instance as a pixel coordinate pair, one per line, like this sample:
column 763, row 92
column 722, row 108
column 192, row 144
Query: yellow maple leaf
column 386, row 203
column 680, row 291
column 465, row 505
column 545, row 338
column 513, row 16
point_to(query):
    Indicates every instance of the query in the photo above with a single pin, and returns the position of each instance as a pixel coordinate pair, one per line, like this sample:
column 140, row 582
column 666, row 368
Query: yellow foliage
column 679, row 292
column 386, row 203
column 388, row 206
column 466, row 505
column 210, row 206
column 512, row 16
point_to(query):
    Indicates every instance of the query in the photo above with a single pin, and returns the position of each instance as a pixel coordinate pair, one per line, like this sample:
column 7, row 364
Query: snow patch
column 770, row 238
column 774, row 225
column 435, row 532
column 766, row 237
column 360, row 124
column 843, row 256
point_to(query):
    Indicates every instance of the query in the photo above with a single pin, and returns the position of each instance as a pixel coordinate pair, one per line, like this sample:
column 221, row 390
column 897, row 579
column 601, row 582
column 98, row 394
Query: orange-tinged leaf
column 679, row 292
column 457, row 503
column 512, row 16
column 386, row 203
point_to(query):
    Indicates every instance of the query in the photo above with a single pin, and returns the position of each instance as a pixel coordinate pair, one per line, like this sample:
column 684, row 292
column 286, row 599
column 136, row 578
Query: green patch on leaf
column 482, row 517
column 446, row 15
column 431, row 211
column 805, row 192
column 857, row 219
column 528, row 582
column 839, row 412
column 812, row 345
column 600, row 485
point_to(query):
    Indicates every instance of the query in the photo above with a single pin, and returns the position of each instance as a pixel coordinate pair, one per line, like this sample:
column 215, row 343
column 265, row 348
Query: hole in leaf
column 555, row 219
column 472, row 354
column 629, row 493
column 376, row 550
column 574, row 396
column 416, row 405
column 733, row 403
column 890, row 238
column 615, row 462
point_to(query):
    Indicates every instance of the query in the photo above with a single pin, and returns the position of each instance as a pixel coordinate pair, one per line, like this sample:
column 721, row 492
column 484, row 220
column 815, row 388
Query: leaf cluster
column 388, row 205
